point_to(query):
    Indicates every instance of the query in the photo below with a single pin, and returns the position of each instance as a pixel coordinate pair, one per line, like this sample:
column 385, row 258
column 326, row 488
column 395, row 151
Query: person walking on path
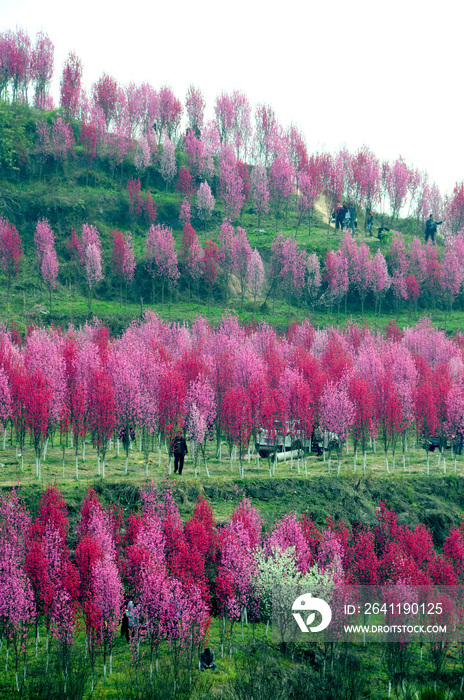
column 353, row 219
column 179, row 450
column 340, row 218
column 132, row 619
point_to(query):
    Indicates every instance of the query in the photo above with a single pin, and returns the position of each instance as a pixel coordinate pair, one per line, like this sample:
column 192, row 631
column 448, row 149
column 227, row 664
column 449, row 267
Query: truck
column 289, row 439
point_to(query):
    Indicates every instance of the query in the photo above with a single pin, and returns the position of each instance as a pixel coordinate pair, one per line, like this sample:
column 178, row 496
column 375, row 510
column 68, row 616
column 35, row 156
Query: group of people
column 345, row 218
column 130, row 623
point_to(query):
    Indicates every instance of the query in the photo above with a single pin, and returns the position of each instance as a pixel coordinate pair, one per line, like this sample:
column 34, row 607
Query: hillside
column 70, row 191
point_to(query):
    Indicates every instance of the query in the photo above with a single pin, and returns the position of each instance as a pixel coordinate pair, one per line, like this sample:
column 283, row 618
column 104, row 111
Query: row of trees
column 416, row 273
column 158, row 379
column 132, row 121
column 178, row 574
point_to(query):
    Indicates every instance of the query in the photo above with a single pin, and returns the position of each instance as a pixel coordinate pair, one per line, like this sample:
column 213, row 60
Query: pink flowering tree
column 224, row 111
column 62, row 140
column 333, row 183
column 195, row 108
column 292, row 274
column 105, row 96
column 255, row 274
column 71, row 85
column 281, row 177
column 168, row 165
column 289, row 533
column 396, row 181
column 92, row 258
column 210, row 266
column 191, row 255
column 5, row 400
column 199, row 157
column 399, row 268
column 266, row 129
column 336, row 274
column 234, row 583
column 43, row 238
column 168, row 113
column 366, row 175
column 313, row 277
column 201, row 410
column 306, row 198
column 17, row 608
column 260, row 191
column 101, row 587
column 205, row 203
column 362, row 273
column 451, row 275
column 11, row 252
column 42, row 67
column 381, row 280
column 241, row 124
column 454, row 206
column 19, row 63
column 49, row 270
column 123, row 258
column 161, row 258
column 185, row 214
column 337, row 414
column 46, row 255
column 240, row 255
column 230, row 183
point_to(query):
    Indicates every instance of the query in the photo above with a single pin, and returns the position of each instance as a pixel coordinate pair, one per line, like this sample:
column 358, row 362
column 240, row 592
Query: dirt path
column 321, row 207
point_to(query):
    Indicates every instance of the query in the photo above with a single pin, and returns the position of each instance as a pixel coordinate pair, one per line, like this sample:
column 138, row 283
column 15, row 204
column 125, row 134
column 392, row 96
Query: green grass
column 436, row 499
column 253, row 655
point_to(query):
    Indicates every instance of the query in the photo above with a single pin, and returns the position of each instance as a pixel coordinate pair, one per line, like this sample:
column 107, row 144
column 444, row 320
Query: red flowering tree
column 17, row 608
column 37, row 401
column 388, row 414
column 101, row 408
column 362, row 396
column 236, row 421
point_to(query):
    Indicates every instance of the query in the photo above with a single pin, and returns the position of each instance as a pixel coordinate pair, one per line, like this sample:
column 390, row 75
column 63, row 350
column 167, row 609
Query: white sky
column 387, row 75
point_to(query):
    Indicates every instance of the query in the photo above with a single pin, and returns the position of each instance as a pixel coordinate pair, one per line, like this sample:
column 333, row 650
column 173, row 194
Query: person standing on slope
column 431, row 228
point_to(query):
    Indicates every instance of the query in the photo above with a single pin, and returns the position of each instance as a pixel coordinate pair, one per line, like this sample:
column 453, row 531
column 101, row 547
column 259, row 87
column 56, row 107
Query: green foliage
column 16, row 143
column 70, row 194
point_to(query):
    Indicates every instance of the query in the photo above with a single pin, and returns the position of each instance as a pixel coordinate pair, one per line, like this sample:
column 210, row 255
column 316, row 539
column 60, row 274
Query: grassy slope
column 63, row 196
column 69, row 195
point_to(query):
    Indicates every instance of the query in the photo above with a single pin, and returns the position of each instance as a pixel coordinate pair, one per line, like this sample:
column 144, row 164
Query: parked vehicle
column 281, row 440
column 432, row 442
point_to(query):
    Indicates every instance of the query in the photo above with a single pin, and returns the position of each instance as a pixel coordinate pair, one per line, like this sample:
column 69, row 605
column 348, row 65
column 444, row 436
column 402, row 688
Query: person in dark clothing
column 381, row 230
column 369, row 221
column 179, row 450
column 125, row 626
column 207, row 660
column 353, row 219
column 340, row 218
column 431, row 228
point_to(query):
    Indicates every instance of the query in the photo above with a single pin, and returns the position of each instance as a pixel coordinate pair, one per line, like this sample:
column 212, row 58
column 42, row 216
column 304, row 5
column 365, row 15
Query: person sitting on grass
column 207, row 660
